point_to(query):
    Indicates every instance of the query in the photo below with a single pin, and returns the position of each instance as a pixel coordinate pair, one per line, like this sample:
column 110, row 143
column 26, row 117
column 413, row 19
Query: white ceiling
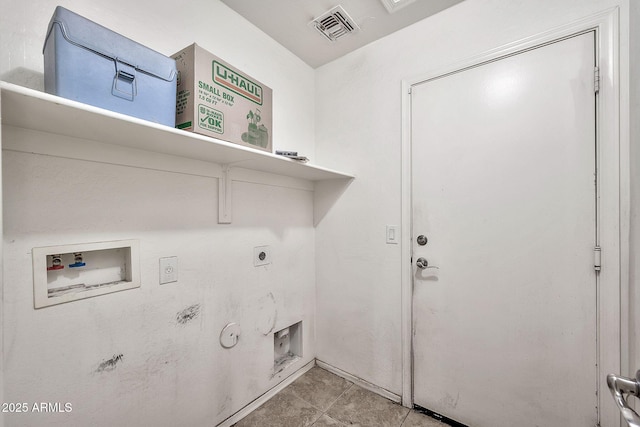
column 287, row 21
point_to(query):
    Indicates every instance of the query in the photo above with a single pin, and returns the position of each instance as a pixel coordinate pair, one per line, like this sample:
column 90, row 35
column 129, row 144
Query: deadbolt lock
column 422, row 240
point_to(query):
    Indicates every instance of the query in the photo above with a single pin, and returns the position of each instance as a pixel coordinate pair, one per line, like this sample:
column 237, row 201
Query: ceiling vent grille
column 334, row 23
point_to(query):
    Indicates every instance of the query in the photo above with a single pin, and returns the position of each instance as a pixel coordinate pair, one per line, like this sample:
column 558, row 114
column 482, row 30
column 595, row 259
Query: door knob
column 422, row 263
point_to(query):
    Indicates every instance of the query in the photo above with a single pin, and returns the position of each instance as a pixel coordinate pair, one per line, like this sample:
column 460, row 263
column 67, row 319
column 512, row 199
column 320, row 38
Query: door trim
column 613, row 204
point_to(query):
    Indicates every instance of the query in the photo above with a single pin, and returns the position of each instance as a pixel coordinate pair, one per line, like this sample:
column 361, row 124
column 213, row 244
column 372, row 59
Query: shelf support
column 224, row 196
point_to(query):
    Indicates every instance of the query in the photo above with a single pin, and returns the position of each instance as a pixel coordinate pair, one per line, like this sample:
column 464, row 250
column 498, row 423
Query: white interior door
column 503, row 188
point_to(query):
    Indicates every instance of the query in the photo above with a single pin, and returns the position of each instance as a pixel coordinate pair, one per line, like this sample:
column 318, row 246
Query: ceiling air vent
column 335, row 23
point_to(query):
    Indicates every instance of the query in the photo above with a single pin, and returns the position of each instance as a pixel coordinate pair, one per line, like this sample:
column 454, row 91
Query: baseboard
column 268, row 395
column 437, row 416
column 360, row 382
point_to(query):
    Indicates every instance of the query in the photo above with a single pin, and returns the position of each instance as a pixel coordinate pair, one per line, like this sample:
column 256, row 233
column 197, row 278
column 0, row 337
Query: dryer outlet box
column 261, row 255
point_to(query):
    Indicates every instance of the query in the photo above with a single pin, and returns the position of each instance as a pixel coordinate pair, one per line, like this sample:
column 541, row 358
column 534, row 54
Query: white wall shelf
column 34, row 110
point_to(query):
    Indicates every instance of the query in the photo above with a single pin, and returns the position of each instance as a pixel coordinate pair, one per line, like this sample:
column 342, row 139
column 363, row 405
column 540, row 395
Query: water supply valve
column 77, row 260
column 56, row 263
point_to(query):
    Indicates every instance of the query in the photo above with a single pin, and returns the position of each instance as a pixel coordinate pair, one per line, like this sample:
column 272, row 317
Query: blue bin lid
column 87, row 34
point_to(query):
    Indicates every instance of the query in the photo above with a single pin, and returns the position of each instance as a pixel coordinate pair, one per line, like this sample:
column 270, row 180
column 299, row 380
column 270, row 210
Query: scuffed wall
column 151, row 356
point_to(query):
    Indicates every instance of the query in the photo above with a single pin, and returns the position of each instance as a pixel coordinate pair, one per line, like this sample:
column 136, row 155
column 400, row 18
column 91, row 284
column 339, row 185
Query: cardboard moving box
column 218, row 100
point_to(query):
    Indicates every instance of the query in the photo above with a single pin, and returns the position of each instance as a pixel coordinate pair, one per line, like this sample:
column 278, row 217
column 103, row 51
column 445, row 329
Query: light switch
column 393, row 234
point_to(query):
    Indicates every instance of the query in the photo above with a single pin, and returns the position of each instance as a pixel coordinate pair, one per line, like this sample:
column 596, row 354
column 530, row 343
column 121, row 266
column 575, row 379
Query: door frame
column 613, row 201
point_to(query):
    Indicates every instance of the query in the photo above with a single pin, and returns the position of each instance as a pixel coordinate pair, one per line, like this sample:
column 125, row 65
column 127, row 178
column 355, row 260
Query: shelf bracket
column 224, row 196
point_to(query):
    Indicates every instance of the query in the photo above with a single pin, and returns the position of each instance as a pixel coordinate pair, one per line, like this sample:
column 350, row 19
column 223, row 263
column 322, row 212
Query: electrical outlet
column 168, row 270
column 261, row 255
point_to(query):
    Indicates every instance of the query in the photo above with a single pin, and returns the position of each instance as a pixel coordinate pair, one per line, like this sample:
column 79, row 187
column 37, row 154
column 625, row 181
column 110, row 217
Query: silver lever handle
column 620, row 386
column 422, row 263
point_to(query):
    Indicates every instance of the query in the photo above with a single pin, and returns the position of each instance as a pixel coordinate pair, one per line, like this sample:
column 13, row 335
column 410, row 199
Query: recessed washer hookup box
column 218, row 100
column 89, row 63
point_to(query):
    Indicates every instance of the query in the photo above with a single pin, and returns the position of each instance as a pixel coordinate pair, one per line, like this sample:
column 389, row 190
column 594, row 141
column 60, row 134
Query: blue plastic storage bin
column 89, row 63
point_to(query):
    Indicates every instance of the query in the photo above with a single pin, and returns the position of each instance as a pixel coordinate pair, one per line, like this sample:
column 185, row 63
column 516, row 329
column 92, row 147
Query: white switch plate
column 168, row 270
column 261, row 255
column 393, row 234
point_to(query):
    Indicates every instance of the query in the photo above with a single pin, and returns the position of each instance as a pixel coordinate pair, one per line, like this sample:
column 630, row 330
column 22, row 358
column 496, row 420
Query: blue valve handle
column 78, row 261
column 77, row 264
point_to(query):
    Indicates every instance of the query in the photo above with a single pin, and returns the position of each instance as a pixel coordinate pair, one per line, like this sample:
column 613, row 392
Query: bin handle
column 124, row 81
column 620, row 386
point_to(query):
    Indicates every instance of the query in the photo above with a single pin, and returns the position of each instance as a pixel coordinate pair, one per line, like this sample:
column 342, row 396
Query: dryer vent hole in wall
column 287, row 347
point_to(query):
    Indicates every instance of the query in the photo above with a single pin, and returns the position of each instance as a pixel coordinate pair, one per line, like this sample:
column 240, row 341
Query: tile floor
column 322, row 399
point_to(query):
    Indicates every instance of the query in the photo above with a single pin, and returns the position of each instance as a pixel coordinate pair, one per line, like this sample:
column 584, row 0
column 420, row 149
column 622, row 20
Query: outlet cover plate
column 261, row 255
column 168, row 270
